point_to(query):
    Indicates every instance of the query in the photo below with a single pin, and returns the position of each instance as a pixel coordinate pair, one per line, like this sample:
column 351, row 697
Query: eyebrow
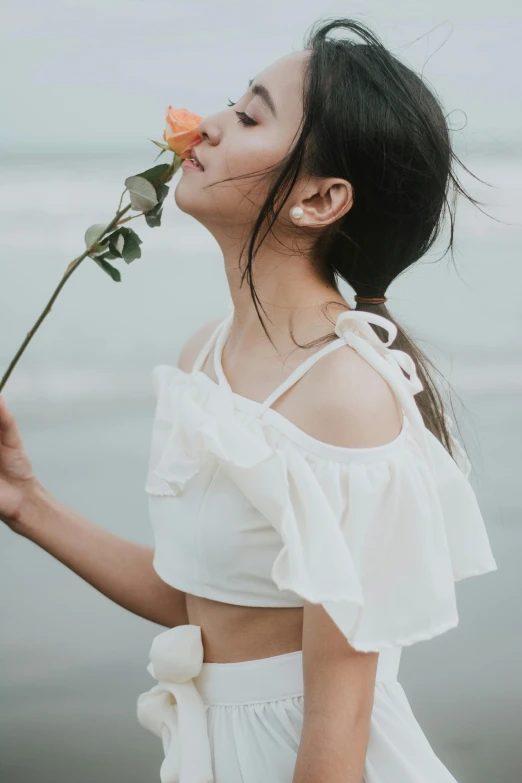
column 261, row 90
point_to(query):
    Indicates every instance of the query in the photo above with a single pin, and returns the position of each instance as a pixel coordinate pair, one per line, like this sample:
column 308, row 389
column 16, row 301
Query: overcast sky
column 98, row 74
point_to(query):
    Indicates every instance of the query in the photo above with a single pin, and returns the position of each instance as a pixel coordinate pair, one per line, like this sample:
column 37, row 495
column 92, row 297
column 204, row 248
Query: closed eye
column 242, row 117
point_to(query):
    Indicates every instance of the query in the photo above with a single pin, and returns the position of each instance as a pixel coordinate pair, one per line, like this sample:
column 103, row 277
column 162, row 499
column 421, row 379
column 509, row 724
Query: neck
column 292, row 298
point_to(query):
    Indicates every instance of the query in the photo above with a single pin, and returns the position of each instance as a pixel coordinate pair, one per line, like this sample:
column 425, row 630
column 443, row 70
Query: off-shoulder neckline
column 320, row 448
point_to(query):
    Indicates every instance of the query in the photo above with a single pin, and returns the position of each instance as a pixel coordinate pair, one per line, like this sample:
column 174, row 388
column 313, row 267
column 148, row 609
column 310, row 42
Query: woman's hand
column 17, row 479
column 122, row 570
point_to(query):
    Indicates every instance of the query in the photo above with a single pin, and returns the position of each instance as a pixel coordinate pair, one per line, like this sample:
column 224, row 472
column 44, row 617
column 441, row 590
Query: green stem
column 121, row 199
column 132, row 217
column 75, row 263
column 70, row 269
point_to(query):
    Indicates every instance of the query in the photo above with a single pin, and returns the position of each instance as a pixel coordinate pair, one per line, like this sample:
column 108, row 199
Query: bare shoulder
column 344, row 401
column 192, row 347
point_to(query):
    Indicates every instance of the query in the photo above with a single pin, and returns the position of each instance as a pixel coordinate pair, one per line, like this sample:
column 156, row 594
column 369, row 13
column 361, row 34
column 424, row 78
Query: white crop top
column 248, row 509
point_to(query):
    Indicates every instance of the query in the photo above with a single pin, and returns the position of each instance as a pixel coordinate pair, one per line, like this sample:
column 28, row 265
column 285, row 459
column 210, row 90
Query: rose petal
column 181, row 132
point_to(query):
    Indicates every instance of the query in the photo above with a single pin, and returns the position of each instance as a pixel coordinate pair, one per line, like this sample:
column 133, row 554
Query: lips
column 194, row 155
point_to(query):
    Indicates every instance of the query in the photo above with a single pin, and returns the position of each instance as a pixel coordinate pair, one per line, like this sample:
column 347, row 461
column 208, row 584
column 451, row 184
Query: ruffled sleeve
column 380, row 542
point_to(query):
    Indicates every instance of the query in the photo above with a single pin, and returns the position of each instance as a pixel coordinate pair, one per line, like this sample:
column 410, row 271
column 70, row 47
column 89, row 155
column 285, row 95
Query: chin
column 186, row 197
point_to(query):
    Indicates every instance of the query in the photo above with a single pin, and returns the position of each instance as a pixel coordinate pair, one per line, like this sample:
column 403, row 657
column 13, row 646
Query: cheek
column 254, row 154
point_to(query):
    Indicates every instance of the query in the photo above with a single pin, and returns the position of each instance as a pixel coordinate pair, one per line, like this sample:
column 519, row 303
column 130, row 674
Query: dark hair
column 371, row 120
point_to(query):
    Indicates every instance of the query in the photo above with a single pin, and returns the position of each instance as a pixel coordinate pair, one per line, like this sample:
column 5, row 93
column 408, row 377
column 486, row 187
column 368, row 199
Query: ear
column 330, row 200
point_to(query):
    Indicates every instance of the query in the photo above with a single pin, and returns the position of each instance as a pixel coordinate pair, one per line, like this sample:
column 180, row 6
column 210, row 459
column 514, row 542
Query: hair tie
column 371, row 299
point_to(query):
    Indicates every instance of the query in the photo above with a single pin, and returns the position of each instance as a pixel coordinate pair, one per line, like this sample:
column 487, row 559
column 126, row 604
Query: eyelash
column 242, row 117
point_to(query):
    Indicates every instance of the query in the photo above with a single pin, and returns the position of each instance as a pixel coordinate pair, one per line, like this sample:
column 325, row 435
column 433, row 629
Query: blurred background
column 85, row 86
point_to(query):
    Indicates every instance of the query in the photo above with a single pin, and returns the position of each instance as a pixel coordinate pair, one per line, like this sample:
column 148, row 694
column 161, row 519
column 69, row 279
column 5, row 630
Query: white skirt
column 242, row 722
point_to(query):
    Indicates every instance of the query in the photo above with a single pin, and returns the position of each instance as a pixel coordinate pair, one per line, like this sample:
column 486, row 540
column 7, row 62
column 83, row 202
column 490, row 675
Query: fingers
column 9, row 434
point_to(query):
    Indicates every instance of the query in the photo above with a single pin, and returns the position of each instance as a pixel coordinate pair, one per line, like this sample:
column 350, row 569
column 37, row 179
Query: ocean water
column 72, row 662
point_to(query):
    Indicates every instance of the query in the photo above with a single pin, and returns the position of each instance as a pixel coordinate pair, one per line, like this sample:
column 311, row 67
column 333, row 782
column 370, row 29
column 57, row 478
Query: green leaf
column 154, row 174
column 94, row 232
column 116, row 243
column 131, row 248
column 141, row 193
column 111, row 270
column 103, row 256
column 162, row 191
column 153, row 216
column 108, row 254
column 159, row 154
column 164, row 147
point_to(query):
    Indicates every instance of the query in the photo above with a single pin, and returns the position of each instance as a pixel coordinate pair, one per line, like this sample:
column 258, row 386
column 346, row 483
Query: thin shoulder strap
column 299, row 372
column 204, row 352
column 221, row 334
column 214, row 338
column 353, row 329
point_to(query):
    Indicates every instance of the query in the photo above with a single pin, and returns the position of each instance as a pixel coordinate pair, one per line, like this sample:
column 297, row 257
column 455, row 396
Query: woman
column 311, row 508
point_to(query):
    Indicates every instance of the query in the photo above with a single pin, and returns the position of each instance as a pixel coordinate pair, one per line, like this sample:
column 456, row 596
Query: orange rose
column 181, row 133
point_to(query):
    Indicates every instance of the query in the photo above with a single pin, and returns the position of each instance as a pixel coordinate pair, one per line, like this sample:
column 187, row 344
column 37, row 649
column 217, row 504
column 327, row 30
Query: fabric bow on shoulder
column 353, row 326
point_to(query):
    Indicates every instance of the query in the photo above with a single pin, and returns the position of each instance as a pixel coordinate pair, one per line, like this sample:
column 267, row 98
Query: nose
column 210, row 128
column 202, row 128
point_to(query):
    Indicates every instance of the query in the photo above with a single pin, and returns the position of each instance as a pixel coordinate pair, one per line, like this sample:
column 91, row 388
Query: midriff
column 232, row 633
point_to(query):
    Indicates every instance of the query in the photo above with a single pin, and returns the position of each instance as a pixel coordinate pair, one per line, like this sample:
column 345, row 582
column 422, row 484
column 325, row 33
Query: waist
column 232, row 632
column 265, row 679
column 175, row 709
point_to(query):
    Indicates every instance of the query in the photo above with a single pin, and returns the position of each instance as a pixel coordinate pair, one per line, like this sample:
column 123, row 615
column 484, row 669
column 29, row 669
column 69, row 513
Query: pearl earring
column 297, row 212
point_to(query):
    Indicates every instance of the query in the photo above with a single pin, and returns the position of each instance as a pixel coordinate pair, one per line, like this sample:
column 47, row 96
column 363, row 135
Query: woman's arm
column 339, row 685
column 358, row 409
column 120, row 569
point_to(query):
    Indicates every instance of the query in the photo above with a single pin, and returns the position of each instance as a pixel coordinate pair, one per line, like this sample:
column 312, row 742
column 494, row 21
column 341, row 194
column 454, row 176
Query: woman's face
column 231, row 148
